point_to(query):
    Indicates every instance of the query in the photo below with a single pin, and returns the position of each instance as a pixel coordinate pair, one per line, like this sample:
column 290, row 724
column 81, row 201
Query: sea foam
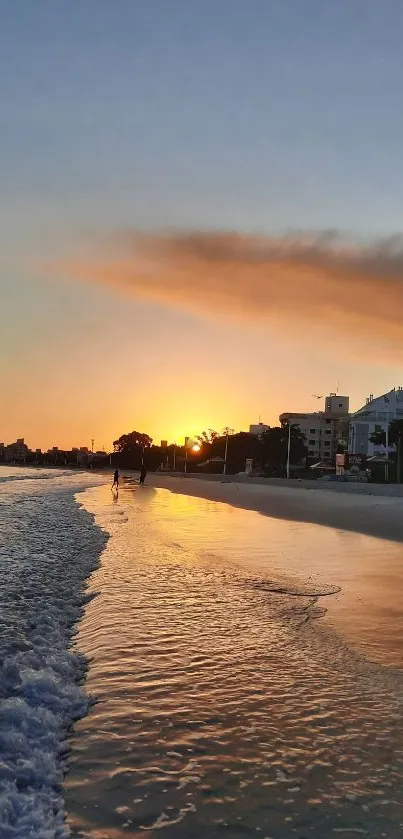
column 48, row 549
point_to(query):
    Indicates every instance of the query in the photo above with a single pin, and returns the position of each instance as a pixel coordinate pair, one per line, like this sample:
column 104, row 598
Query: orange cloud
column 317, row 282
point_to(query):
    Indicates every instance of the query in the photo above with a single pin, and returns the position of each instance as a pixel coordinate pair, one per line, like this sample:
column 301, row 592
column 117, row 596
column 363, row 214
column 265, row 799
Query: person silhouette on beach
column 143, row 474
column 116, row 480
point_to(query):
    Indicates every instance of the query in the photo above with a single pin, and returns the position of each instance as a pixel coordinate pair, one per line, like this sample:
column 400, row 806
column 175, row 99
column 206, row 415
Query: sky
column 169, row 175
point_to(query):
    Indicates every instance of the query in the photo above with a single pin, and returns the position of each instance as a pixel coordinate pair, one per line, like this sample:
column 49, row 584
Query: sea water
column 48, row 548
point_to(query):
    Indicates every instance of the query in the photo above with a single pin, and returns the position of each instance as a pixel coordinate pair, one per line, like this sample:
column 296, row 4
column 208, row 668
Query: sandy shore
column 367, row 612
column 374, row 515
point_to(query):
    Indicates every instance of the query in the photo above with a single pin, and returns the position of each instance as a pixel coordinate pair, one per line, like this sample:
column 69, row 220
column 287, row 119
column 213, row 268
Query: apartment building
column 325, row 431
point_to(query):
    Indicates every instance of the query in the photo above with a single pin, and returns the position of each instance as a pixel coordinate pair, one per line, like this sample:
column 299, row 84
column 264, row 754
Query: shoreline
column 380, row 516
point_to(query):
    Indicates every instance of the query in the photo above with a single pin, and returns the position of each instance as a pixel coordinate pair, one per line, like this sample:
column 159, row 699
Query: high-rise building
column 17, row 452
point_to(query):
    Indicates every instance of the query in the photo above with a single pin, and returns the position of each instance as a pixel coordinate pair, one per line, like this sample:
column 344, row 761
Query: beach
column 373, row 509
column 198, row 657
column 247, row 667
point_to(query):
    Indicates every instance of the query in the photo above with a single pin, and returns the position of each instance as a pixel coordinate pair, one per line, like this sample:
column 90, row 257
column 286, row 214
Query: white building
column 375, row 415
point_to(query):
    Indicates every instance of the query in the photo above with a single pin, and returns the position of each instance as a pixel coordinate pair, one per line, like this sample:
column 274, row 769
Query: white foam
column 46, row 555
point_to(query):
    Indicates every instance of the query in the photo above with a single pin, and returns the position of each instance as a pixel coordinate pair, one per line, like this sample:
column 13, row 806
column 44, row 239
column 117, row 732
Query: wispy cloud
column 317, row 281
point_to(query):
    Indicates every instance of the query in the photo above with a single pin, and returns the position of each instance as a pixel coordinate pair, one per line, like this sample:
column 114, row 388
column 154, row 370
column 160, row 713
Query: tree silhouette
column 275, row 447
column 378, row 437
column 131, row 442
column 130, row 449
column 208, row 437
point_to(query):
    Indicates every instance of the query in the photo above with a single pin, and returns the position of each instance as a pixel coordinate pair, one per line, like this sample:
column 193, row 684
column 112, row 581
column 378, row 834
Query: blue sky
column 233, row 114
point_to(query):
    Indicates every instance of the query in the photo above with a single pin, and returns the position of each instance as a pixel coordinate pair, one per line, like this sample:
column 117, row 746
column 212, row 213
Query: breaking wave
column 46, row 556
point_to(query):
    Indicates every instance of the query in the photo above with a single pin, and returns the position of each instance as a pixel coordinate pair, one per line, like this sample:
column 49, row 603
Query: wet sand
column 371, row 514
column 224, row 707
column 368, row 611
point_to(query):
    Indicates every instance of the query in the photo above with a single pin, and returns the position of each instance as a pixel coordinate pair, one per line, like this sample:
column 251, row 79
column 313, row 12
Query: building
column 17, row 452
column 325, row 431
column 375, row 415
column 258, row 429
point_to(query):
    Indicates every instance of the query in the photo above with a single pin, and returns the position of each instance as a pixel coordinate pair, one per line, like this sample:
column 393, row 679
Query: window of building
column 312, row 442
column 312, row 430
column 327, row 442
column 311, row 452
column 328, row 422
column 340, row 404
column 328, row 431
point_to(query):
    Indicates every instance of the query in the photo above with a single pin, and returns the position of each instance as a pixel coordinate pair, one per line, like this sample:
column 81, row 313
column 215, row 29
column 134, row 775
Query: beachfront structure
column 258, row 429
column 375, row 415
column 16, row 452
column 326, row 431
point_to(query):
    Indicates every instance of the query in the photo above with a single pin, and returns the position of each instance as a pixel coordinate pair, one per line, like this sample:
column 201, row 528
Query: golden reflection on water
column 368, row 611
column 221, row 708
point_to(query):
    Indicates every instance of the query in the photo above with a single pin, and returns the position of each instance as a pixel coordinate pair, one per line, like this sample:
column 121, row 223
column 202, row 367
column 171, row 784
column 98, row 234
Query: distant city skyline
column 320, row 405
column 215, row 129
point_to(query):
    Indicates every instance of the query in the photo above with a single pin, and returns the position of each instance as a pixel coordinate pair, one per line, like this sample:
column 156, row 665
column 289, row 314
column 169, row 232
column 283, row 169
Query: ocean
column 171, row 663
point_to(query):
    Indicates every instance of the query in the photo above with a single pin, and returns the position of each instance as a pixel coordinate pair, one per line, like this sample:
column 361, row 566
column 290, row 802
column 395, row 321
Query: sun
column 196, row 448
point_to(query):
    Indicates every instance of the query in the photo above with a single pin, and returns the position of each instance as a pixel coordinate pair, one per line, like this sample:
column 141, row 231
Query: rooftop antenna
column 315, row 396
column 337, row 388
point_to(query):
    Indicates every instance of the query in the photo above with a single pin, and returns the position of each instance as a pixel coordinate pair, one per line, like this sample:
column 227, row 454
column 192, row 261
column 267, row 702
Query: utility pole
column 92, row 444
column 227, row 432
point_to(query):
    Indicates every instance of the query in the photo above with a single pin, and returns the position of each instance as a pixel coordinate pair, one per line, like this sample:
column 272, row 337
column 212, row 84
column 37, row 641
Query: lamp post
column 174, row 461
column 386, row 400
column 227, row 432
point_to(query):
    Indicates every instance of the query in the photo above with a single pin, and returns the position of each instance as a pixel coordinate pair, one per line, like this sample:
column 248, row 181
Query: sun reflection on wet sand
column 222, row 707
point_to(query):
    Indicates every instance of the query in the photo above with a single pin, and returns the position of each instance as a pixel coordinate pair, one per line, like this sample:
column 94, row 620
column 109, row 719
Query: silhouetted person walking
column 116, row 479
column 143, row 474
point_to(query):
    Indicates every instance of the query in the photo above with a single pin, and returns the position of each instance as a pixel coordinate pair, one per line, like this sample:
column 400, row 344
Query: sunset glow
column 149, row 277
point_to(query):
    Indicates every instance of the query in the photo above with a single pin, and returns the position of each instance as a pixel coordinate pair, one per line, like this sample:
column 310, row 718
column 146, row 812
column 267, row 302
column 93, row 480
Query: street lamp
column 227, row 431
column 386, row 400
